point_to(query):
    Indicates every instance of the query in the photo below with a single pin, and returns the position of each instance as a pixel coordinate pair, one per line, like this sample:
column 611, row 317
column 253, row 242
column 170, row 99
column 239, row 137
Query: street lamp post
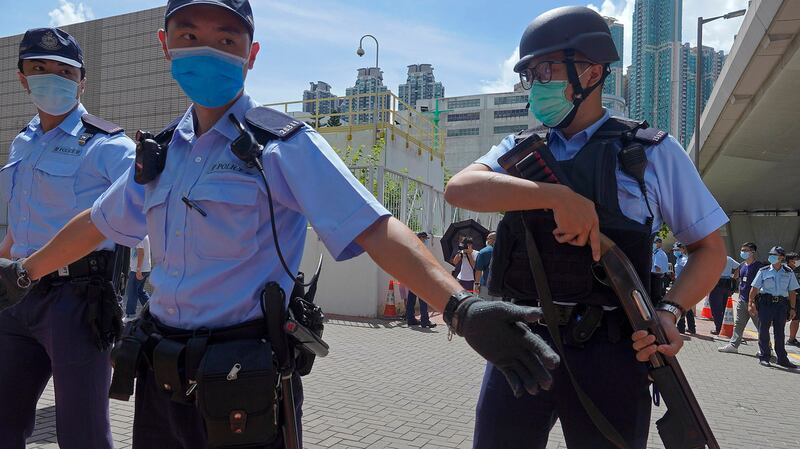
column 698, row 90
column 360, row 52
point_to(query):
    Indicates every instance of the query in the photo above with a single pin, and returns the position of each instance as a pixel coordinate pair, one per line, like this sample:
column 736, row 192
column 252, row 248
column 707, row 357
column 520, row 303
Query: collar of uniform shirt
column 185, row 128
column 71, row 124
column 582, row 137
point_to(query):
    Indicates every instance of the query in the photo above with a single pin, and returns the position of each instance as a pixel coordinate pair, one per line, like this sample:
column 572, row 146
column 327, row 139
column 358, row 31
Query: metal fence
column 420, row 206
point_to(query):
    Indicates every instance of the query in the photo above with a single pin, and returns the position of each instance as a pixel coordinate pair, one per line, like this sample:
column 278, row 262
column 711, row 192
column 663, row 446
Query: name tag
column 744, row 279
column 63, row 271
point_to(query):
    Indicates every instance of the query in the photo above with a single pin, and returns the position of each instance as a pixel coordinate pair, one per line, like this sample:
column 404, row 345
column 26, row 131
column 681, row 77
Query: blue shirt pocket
column 55, row 182
column 229, row 229
column 156, row 212
column 7, row 180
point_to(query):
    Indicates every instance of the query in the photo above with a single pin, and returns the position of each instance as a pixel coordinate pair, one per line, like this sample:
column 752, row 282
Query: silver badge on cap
column 50, row 41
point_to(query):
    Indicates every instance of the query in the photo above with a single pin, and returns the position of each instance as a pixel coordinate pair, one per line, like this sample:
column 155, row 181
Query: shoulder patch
column 99, row 125
column 764, row 268
column 650, row 136
column 269, row 124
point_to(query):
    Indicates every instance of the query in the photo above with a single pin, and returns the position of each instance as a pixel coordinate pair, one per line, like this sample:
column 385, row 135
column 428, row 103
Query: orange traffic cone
column 390, row 307
column 706, row 312
column 727, row 321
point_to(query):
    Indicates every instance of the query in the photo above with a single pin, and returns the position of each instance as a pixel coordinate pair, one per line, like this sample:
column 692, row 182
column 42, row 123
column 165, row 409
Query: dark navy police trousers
column 45, row 336
column 160, row 423
column 608, row 373
column 772, row 314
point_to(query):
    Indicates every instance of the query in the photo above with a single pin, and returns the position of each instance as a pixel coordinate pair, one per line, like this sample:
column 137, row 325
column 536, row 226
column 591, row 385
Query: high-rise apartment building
column 614, row 82
column 655, row 84
column 368, row 88
column 420, row 84
column 320, row 91
column 712, row 66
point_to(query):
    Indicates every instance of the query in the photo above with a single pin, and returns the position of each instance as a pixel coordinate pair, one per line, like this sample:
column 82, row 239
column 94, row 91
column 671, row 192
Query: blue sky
column 471, row 43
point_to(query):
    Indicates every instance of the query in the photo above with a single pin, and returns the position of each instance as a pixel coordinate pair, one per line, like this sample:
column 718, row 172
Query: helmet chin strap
column 579, row 93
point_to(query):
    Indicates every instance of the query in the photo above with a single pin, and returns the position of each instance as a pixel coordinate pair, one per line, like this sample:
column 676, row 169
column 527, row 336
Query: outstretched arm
column 75, row 240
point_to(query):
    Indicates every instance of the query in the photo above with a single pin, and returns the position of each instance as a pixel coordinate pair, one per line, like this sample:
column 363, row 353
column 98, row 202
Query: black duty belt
column 172, row 354
column 98, row 263
column 771, row 298
column 582, row 321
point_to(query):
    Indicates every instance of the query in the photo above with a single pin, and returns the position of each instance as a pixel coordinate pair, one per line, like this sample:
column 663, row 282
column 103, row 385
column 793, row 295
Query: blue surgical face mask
column 677, row 254
column 773, row 259
column 209, row 77
column 549, row 103
column 53, row 94
column 744, row 255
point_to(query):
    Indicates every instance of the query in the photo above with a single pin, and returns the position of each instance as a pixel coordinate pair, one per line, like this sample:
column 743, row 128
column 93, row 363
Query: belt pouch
column 167, row 363
column 125, row 360
column 236, row 394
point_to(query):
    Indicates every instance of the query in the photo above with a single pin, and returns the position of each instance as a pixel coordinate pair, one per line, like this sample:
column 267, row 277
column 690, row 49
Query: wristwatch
column 452, row 305
column 672, row 308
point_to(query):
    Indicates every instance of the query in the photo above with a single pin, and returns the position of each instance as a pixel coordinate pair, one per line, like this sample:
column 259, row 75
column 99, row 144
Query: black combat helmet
column 575, row 28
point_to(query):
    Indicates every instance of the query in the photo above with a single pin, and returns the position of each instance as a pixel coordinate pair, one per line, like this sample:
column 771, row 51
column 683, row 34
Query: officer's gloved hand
column 498, row 331
column 14, row 283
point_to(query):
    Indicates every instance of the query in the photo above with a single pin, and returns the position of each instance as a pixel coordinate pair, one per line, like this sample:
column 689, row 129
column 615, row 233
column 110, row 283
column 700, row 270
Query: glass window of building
column 463, row 117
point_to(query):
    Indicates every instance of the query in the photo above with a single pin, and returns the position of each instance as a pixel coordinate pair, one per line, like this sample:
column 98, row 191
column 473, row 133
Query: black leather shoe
column 787, row 364
column 793, row 342
column 765, row 363
column 428, row 325
column 413, row 323
column 714, row 332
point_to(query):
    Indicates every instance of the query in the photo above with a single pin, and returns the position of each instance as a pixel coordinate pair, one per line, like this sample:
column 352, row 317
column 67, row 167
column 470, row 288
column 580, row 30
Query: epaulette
column 765, row 267
column 165, row 135
column 787, row 269
column 650, row 136
column 540, row 131
column 268, row 124
column 95, row 125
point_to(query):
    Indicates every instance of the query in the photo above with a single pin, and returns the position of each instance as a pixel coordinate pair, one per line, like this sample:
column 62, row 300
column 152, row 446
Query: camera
column 462, row 246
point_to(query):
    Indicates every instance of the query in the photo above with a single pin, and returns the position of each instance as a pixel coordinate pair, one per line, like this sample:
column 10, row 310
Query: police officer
column 58, row 165
column 773, row 297
column 746, row 273
column 681, row 257
column 214, row 243
column 565, row 57
column 718, row 297
column 658, row 272
column 793, row 262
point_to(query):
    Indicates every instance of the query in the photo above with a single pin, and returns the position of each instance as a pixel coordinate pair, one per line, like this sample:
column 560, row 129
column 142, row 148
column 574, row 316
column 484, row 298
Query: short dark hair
column 83, row 69
column 468, row 241
column 792, row 256
column 750, row 245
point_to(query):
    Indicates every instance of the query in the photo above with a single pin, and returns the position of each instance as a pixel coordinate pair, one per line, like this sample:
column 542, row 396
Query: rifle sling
column 551, row 319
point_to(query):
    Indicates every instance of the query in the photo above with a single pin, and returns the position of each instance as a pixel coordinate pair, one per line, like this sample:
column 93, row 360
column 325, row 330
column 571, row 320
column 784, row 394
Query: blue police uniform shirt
column 775, row 282
column 675, row 191
column 680, row 262
column 660, row 260
column 50, row 178
column 483, row 263
column 747, row 272
column 730, row 265
column 209, row 270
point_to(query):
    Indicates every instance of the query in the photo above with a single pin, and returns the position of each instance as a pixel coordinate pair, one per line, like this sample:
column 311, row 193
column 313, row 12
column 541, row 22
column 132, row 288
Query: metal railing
column 379, row 111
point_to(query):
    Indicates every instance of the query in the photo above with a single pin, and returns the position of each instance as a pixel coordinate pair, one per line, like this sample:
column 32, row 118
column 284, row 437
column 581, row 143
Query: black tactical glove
column 14, row 283
column 498, row 331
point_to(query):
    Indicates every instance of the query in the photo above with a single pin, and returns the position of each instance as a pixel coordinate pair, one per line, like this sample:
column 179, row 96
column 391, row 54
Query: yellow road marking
column 752, row 334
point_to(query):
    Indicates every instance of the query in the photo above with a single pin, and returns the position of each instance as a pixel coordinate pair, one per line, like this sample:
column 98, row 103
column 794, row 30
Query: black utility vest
column 570, row 269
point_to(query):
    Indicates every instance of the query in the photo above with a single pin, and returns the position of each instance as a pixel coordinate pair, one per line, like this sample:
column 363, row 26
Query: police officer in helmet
column 564, row 59
column 217, row 214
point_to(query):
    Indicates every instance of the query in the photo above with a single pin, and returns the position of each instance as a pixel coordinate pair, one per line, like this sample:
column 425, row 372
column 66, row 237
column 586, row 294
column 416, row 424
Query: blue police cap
column 239, row 7
column 53, row 44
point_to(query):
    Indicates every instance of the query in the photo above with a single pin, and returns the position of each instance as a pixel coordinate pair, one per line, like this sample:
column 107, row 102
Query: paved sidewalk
column 387, row 386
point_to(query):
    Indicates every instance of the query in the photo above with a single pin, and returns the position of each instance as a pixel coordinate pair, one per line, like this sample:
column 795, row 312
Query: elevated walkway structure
column 749, row 130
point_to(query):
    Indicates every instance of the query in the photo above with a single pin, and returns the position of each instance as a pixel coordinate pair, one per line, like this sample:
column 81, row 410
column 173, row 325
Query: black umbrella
column 458, row 231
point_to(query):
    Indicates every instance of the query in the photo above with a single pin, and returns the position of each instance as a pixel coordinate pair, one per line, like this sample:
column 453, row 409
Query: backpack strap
column 268, row 124
column 95, row 125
